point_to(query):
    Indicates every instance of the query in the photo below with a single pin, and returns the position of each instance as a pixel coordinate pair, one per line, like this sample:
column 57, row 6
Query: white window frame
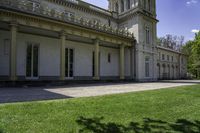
column 32, row 77
column 68, row 77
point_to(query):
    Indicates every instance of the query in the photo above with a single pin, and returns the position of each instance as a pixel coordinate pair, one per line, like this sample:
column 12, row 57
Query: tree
column 172, row 42
column 192, row 49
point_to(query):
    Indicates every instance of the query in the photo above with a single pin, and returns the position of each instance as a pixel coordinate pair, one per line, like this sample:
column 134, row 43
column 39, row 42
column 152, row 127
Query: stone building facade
column 171, row 64
column 74, row 40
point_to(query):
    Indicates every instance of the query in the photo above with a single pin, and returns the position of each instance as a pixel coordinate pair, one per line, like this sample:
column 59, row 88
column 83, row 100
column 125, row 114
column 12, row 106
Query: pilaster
column 13, row 51
column 62, row 55
column 122, row 47
column 96, row 60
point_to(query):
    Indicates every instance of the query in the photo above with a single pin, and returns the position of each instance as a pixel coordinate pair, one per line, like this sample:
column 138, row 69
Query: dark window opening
column 109, row 58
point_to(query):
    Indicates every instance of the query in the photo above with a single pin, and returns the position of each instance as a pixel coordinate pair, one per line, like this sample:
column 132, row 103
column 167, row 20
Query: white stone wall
column 180, row 68
column 106, row 68
column 49, row 57
column 48, row 54
column 82, row 58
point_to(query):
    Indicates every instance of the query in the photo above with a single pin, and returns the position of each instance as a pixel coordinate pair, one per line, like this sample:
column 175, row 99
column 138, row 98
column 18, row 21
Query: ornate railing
column 47, row 12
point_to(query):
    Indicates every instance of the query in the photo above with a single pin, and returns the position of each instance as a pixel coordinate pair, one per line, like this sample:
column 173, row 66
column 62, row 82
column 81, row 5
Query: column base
column 122, row 78
column 62, row 78
column 13, row 78
column 96, row 78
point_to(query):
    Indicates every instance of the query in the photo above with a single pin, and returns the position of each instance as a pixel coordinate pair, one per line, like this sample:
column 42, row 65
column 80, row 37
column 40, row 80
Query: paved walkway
column 8, row 95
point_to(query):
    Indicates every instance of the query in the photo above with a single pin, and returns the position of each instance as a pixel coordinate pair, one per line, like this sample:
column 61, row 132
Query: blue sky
column 176, row 17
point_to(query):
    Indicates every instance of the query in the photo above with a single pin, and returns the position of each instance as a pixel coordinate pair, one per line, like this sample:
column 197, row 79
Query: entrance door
column 69, row 63
column 32, row 61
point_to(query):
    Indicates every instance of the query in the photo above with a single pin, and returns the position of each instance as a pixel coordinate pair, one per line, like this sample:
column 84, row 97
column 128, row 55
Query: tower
column 139, row 17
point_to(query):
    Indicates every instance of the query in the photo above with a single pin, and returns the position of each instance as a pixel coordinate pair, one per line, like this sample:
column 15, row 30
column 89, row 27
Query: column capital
column 63, row 33
column 96, row 40
column 14, row 24
column 122, row 45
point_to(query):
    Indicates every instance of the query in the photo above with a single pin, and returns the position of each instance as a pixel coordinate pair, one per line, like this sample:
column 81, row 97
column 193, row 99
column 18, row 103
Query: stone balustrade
column 41, row 10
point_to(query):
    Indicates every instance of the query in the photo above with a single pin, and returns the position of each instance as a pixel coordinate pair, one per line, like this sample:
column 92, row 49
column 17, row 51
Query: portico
column 63, row 33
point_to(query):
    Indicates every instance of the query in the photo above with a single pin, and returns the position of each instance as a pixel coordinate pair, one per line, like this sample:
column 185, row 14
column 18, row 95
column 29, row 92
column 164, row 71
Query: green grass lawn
column 166, row 110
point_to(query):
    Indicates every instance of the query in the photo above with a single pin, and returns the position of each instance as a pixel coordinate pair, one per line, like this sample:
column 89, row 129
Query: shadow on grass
column 1, row 131
column 147, row 126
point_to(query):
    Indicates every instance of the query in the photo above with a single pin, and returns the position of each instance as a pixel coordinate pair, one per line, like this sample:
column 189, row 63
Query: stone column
column 96, row 60
column 62, row 55
column 13, row 52
column 122, row 47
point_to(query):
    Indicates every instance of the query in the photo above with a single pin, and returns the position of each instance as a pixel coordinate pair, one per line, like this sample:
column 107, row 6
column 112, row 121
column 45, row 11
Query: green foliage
column 192, row 49
column 175, row 110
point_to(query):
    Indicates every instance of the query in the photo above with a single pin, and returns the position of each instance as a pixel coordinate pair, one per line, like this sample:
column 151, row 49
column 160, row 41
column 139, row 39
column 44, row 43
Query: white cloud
column 195, row 31
column 190, row 2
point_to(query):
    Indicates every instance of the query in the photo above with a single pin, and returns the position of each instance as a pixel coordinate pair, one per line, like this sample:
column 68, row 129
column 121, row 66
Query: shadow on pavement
column 25, row 95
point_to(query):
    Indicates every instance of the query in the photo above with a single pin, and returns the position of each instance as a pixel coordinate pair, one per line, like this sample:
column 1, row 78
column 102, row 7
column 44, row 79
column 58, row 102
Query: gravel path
column 8, row 95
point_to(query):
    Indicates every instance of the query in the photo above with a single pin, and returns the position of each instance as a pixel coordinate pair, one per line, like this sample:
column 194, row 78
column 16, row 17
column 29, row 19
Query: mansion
column 74, row 40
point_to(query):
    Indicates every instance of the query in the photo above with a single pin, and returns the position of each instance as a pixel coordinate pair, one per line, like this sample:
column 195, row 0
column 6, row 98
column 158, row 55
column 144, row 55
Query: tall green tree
column 192, row 49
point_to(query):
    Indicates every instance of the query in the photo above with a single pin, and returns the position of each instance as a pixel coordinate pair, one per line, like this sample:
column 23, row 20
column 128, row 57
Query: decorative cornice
column 136, row 11
column 85, row 7
column 46, row 24
column 51, row 14
column 14, row 23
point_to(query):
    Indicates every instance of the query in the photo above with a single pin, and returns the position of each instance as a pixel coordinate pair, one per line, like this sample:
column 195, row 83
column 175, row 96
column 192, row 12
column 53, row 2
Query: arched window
column 122, row 5
column 144, row 2
column 117, row 7
column 134, row 3
column 149, row 5
column 128, row 4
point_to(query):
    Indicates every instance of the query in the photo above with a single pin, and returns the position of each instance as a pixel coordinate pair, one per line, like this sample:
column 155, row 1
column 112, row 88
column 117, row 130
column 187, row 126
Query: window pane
column 28, row 60
column 122, row 6
column 93, row 63
column 109, row 57
column 35, row 61
column 66, row 63
column 128, row 4
column 147, row 69
column 71, row 71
